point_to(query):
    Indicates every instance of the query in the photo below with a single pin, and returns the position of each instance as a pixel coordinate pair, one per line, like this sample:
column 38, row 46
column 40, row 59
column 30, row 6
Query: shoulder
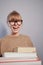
column 28, row 40
column 25, row 36
column 0, row 41
column 4, row 38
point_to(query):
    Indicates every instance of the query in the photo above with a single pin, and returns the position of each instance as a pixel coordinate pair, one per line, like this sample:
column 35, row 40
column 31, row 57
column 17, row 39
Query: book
column 20, row 55
column 26, row 49
column 19, row 61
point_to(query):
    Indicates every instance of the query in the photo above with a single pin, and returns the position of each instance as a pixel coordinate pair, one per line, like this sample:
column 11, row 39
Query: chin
column 15, row 32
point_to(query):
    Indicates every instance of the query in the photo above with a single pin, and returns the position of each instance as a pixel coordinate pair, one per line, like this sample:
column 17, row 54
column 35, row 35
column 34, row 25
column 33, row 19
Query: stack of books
column 23, row 52
column 25, row 56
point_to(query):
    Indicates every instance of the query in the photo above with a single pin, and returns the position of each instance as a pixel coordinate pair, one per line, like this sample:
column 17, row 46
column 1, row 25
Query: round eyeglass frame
column 18, row 22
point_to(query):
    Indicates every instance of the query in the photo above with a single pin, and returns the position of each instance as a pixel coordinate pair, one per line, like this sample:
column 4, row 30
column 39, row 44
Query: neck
column 15, row 34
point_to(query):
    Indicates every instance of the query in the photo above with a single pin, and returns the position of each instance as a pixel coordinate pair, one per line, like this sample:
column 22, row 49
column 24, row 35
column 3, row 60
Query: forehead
column 15, row 17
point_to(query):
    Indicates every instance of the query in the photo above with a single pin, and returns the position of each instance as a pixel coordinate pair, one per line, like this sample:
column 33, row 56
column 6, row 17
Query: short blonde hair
column 13, row 13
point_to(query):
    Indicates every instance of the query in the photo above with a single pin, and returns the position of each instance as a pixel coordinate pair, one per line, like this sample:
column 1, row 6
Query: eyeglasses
column 12, row 22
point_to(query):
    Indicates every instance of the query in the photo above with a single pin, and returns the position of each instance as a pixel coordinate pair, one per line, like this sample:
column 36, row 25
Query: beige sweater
column 10, row 43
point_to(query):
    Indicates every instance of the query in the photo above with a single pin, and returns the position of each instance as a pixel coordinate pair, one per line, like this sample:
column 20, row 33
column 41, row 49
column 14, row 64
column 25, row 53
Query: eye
column 12, row 23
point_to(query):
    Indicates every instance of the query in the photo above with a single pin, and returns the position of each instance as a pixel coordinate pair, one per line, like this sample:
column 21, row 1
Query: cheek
column 19, row 26
column 11, row 27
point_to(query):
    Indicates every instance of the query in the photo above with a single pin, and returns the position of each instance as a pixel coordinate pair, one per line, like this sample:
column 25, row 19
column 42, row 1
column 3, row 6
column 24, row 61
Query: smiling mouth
column 15, row 27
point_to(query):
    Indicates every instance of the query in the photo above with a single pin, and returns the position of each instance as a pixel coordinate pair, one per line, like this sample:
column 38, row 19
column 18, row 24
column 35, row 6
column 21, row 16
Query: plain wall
column 32, row 13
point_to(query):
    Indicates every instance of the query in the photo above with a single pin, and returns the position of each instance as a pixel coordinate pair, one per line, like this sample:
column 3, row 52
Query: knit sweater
column 10, row 43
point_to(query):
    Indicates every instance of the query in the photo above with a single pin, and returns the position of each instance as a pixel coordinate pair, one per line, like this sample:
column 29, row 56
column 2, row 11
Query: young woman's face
column 15, row 23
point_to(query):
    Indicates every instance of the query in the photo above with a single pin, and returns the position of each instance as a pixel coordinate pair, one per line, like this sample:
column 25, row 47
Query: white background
column 32, row 13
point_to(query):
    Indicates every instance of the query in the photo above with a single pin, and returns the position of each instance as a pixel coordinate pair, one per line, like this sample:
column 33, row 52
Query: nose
column 15, row 23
